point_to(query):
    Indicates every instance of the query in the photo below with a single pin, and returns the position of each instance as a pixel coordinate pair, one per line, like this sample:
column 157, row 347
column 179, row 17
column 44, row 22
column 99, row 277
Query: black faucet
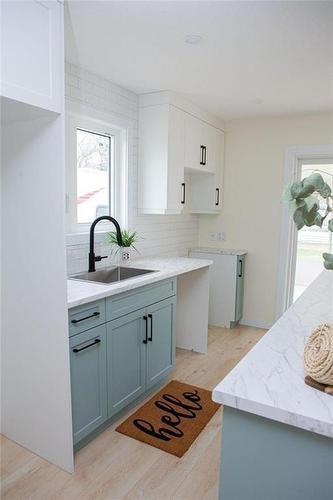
column 92, row 257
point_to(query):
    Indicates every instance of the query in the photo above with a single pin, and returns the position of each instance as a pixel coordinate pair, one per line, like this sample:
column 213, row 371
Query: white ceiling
column 256, row 58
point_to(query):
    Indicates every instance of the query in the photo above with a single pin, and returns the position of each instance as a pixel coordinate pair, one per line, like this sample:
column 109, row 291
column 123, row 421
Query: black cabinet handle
column 217, row 202
column 205, row 155
column 74, row 321
column 145, row 341
column 202, row 155
column 150, row 316
column 96, row 341
column 183, row 193
column 241, row 268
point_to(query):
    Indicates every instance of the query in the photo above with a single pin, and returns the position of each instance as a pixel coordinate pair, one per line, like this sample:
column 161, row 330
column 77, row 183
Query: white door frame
column 288, row 239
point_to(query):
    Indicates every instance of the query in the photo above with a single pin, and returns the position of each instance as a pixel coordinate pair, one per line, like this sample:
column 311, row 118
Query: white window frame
column 294, row 158
column 118, row 172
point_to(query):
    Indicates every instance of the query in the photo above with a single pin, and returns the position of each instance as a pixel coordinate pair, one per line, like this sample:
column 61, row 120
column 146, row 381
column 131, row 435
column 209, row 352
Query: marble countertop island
column 82, row 292
column 269, row 380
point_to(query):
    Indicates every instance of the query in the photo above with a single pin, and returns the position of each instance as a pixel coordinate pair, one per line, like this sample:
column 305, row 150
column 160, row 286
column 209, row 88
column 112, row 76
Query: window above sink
column 96, row 173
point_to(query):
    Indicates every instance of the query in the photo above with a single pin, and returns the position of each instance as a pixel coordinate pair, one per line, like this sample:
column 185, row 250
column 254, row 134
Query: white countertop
column 269, row 380
column 222, row 251
column 82, row 292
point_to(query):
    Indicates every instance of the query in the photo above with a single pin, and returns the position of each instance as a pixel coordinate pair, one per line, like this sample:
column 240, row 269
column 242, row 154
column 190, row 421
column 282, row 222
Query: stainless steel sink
column 111, row 275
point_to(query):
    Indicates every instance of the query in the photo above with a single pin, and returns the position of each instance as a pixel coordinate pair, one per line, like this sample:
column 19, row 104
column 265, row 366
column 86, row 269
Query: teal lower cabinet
column 126, row 354
column 88, row 381
column 116, row 363
column 161, row 341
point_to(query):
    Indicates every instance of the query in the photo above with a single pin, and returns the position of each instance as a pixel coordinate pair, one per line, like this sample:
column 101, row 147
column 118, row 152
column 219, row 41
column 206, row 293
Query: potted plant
column 129, row 238
column 311, row 203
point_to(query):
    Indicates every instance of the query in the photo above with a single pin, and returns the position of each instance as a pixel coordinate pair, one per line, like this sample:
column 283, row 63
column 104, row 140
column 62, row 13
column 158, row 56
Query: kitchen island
column 277, row 432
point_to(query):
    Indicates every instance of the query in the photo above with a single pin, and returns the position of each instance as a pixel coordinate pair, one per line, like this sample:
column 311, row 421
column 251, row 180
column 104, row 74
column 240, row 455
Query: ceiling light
column 193, row 39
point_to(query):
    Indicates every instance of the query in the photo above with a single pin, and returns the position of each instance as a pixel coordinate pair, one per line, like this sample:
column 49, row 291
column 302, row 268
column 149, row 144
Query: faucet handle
column 98, row 258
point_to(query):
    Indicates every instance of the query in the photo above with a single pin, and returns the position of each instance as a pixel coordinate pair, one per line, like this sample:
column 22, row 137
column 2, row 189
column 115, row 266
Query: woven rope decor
column 318, row 354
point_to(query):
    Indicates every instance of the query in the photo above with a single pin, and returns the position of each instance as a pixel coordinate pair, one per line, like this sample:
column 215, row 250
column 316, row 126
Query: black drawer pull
column 96, row 341
column 241, row 268
column 217, row 202
column 202, row 155
column 183, row 193
column 145, row 341
column 150, row 316
column 86, row 317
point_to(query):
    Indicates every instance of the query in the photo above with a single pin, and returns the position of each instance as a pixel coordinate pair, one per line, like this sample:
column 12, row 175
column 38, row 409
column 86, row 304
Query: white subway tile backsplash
column 167, row 236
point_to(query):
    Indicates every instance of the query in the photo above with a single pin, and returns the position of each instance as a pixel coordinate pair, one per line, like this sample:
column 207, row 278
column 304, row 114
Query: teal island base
column 263, row 459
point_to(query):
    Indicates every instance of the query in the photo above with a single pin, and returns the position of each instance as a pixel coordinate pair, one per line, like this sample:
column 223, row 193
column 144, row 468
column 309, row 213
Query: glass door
column 312, row 241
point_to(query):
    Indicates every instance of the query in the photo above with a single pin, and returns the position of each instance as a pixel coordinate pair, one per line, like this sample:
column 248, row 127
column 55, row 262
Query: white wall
column 35, row 407
column 253, row 183
column 161, row 235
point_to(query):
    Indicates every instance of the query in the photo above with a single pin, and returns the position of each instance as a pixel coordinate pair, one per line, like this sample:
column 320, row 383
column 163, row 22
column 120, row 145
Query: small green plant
column 128, row 237
column 306, row 199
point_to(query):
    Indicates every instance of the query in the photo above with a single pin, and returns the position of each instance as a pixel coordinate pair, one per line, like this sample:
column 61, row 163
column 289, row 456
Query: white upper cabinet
column 174, row 142
column 161, row 160
column 32, row 52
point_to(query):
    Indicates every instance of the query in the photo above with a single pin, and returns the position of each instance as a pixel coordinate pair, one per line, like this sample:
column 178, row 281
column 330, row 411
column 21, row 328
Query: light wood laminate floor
column 115, row 467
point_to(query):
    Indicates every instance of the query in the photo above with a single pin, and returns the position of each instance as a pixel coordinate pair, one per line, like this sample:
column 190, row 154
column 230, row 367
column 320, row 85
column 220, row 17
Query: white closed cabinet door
column 195, row 137
column 32, row 52
column 176, row 190
column 161, row 160
column 210, row 149
column 202, row 145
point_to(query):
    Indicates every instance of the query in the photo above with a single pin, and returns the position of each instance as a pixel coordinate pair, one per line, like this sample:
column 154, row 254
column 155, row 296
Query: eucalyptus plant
column 311, row 203
column 128, row 237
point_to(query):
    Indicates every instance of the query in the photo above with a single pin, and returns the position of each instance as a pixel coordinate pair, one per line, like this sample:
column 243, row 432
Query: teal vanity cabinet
column 115, row 363
column 88, row 381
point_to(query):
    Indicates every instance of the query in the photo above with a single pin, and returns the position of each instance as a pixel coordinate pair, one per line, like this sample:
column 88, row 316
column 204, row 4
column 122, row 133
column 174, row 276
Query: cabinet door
column 161, row 341
column 175, row 198
column 88, row 381
column 215, row 151
column 161, row 159
column 126, row 352
column 194, row 142
column 210, row 153
column 32, row 55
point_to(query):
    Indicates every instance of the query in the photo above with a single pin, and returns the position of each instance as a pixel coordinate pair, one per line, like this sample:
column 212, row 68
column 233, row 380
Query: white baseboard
column 257, row 324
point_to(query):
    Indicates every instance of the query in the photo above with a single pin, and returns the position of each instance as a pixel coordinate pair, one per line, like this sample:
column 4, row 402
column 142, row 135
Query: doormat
column 172, row 419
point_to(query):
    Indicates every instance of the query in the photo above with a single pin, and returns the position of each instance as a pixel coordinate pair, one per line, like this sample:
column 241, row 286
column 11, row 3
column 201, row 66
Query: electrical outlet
column 220, row 236
column 212, row 236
